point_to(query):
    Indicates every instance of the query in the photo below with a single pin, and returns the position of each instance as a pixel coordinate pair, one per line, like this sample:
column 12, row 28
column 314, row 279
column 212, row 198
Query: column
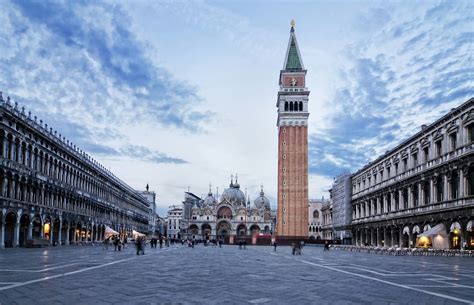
column 401, row 200
column 379, row 239
column 51, row 232
column 96, row 234
column 410, row 237
column 385, row 237
column 2, row 234
column 16, row 237
column 74, row 238
column 92, row 233
column 67, row 234
column 445, row 188
column 5, row 187
column 410, row 195
column 59, row 231
column 432, row 190
column 421, row 194
column 461, row 183
column 42, row 228
column 30, row 230
column 400, row 236
column 392, row 237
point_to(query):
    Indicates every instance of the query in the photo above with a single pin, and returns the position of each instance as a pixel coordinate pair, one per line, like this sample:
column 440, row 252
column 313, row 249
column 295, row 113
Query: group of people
column 297, row 248
column 116, row 241
column 140, row 243
column 154, row 242
column 242, row 244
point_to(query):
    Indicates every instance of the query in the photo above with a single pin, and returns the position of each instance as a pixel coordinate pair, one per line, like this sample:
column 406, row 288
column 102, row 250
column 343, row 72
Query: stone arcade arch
column 10, row 222
column 193, row 230
column 224, row 229
column 255, row 229
column 267, row 229
column 206, row 231
column 241, row 230
column 24, row 225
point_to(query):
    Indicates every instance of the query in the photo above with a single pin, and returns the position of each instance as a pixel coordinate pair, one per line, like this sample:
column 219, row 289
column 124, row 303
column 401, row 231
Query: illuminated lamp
column 47, row 228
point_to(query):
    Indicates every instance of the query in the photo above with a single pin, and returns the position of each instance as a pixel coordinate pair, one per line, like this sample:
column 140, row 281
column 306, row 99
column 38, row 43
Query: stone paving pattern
column 227, row 275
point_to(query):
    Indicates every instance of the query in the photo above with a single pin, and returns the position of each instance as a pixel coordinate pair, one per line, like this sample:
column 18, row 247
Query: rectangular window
column 426, row 153
column 388, row 172
column 396, row 168
column 415, row 159
column 470, row 133
column 452, row 141
column 438, row 148
column 405, row 164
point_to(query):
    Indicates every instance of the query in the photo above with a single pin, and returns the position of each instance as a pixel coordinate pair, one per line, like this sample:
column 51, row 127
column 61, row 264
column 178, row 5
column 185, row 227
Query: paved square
column 208, row 275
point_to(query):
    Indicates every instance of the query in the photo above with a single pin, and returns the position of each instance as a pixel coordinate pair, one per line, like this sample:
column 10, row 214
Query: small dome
column 210, row 200
column 262, row 202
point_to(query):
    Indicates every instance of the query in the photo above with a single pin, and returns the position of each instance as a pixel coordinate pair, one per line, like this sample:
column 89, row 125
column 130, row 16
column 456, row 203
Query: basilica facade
column 228, row 217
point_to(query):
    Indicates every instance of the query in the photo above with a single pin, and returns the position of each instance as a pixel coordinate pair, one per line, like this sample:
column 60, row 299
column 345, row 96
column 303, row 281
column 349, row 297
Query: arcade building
column 52, row 192
column 424, row 187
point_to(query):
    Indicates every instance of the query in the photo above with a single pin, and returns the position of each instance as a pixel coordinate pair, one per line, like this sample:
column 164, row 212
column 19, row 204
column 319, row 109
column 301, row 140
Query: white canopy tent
column 110, row 232
column 437, row 235
column 137, row 234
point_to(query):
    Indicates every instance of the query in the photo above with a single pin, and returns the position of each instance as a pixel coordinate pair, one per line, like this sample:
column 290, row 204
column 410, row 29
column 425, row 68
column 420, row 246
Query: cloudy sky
column 182, row 94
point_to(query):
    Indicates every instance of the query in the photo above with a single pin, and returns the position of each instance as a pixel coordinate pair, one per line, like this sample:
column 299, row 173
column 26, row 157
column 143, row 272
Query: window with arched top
column 316, row 214
column 301, row 106
column 286, row 106
column 291, row 106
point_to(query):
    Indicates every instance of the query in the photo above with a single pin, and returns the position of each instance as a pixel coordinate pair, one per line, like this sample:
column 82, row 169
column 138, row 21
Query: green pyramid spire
column 293, row 62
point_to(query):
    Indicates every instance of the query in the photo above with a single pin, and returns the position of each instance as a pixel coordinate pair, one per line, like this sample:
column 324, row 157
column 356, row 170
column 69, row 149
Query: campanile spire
column 292, row 123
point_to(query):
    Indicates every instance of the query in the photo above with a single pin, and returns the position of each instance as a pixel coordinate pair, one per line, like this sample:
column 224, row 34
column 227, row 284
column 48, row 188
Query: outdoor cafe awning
column 439, row 229
column 110, row 232
column 137, row 234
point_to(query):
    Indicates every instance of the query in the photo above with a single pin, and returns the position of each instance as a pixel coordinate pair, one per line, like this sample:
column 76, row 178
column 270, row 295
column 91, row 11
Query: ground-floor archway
column 10, row 222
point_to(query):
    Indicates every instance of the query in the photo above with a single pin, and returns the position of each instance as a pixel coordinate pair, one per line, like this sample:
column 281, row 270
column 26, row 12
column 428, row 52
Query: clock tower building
column 292, row 104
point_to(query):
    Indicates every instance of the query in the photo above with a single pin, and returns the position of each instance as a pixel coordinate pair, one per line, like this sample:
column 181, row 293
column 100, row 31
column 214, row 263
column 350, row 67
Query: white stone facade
column 315, row 218
column 426, row 180
column 173, row 222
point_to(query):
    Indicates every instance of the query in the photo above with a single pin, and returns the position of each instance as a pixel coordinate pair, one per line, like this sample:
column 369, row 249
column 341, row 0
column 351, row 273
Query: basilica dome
column 262, row 202
column 234, row 195
column 210, row 200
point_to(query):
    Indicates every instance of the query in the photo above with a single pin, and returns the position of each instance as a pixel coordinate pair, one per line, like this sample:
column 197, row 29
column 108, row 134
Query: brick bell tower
column 292, row 104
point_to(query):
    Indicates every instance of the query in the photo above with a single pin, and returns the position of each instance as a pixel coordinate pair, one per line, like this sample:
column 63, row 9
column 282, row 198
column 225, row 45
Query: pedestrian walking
column 275, row 246
column 326, row 246
column 161, row 242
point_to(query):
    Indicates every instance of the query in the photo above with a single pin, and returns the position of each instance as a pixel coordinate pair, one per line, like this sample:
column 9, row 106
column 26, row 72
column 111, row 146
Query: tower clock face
column 293, row 81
